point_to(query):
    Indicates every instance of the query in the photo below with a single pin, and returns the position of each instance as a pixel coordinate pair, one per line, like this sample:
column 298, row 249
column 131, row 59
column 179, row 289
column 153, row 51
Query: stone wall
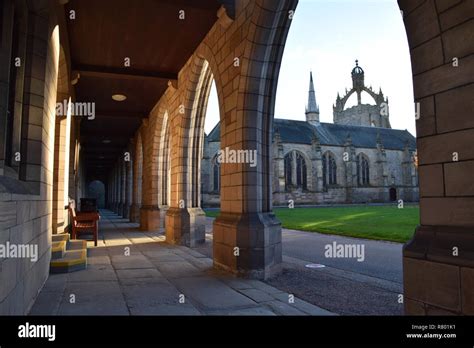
column 26, row 201
column 438, row 262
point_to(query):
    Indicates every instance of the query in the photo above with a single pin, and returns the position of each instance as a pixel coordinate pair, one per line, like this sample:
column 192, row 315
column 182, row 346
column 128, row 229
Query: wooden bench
column 84, row 223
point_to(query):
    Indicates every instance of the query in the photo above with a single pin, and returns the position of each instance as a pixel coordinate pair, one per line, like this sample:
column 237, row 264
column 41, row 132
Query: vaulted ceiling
column 104, row 36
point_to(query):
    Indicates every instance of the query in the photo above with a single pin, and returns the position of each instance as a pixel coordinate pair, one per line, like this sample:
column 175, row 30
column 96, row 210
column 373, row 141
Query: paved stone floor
column 132, row 272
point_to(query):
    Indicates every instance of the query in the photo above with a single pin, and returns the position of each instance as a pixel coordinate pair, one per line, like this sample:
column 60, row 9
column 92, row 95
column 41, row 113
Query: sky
column 326, row 37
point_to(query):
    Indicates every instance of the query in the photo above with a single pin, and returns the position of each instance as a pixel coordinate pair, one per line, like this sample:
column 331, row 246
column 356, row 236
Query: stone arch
column 186, row 157
column 246, row 124
column 152, row 131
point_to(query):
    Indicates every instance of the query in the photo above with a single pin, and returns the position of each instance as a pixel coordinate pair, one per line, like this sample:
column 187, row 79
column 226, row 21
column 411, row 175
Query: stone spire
column 312, row 110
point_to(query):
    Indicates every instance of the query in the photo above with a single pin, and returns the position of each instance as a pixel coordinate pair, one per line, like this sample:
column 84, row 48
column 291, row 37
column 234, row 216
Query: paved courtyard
column 132, row 272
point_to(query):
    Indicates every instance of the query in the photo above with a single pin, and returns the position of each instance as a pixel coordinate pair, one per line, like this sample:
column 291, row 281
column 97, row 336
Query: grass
column 370, row 222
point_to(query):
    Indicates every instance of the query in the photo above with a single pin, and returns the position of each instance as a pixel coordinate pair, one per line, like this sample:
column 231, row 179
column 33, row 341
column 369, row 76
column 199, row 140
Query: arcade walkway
column 153, row 279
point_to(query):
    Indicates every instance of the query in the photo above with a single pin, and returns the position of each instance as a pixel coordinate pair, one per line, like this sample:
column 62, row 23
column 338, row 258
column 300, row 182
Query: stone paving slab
column 132, row 261
column 47, row 302
column 257, row 295
column 165, row 309
column 255, row 311
column 93, row 298
column 210, row 293
column 177, row 269
column 158, row 257
column 95, row 272
column 153, row 279
column 283, row 308
column 138, row 273
column 142, row 296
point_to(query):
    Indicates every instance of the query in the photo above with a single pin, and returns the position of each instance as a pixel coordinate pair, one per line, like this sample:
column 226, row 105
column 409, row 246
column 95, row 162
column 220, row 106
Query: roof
column 302, row 132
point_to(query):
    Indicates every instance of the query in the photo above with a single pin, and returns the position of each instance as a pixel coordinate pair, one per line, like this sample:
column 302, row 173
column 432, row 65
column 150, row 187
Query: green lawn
column 371, row 222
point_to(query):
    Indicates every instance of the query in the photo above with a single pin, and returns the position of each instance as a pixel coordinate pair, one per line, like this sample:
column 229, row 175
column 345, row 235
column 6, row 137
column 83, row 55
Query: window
column 288, row 171
column 12, row 94
column 362, row 170
column 216, row 175
column 295, row 171
column 329, row 169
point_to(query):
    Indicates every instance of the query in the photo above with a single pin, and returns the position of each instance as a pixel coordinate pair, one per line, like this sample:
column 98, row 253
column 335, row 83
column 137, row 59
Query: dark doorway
column 96, row 189
column 393, row 194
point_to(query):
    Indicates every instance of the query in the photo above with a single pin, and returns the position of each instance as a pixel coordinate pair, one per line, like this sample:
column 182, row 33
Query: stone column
column 316, row 167
column 280, row 170
column 149, row 210
column 350, row 168
column 120, row 187
column 382, row 172
column 114, row 189
column 247, row 235
column 126, row 206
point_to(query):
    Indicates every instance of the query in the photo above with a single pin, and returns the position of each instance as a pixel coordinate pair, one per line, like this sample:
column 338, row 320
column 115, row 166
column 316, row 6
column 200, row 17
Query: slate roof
column 330, row 134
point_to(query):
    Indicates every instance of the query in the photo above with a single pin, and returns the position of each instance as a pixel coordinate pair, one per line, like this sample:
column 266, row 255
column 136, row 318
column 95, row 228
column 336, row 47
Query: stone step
column 59, row 237
column 73, row 260
column 76, row 244
column 58, row 249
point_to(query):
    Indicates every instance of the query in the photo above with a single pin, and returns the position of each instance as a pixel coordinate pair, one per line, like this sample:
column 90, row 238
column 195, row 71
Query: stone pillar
column 382, row 172
column 136, row 183
column 350, row 168
column 247, row 235
column 149, row 218
column 117, row 189
column 438, row 263
column 316, row 167
column 112, row 205
column 149, row 210
column 121, row 187
column 279, row 164
column 126, row 206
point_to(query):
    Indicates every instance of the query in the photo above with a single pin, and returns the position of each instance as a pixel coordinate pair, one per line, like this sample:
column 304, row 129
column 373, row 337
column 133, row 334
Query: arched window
column 362, row 170
column 216, row 175
column 288, row 171
column 295, row 171
column 329, row 169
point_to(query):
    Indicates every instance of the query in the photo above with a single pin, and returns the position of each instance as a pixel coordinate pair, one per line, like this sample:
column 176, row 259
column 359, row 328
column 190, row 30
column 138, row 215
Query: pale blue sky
column 326, row 36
